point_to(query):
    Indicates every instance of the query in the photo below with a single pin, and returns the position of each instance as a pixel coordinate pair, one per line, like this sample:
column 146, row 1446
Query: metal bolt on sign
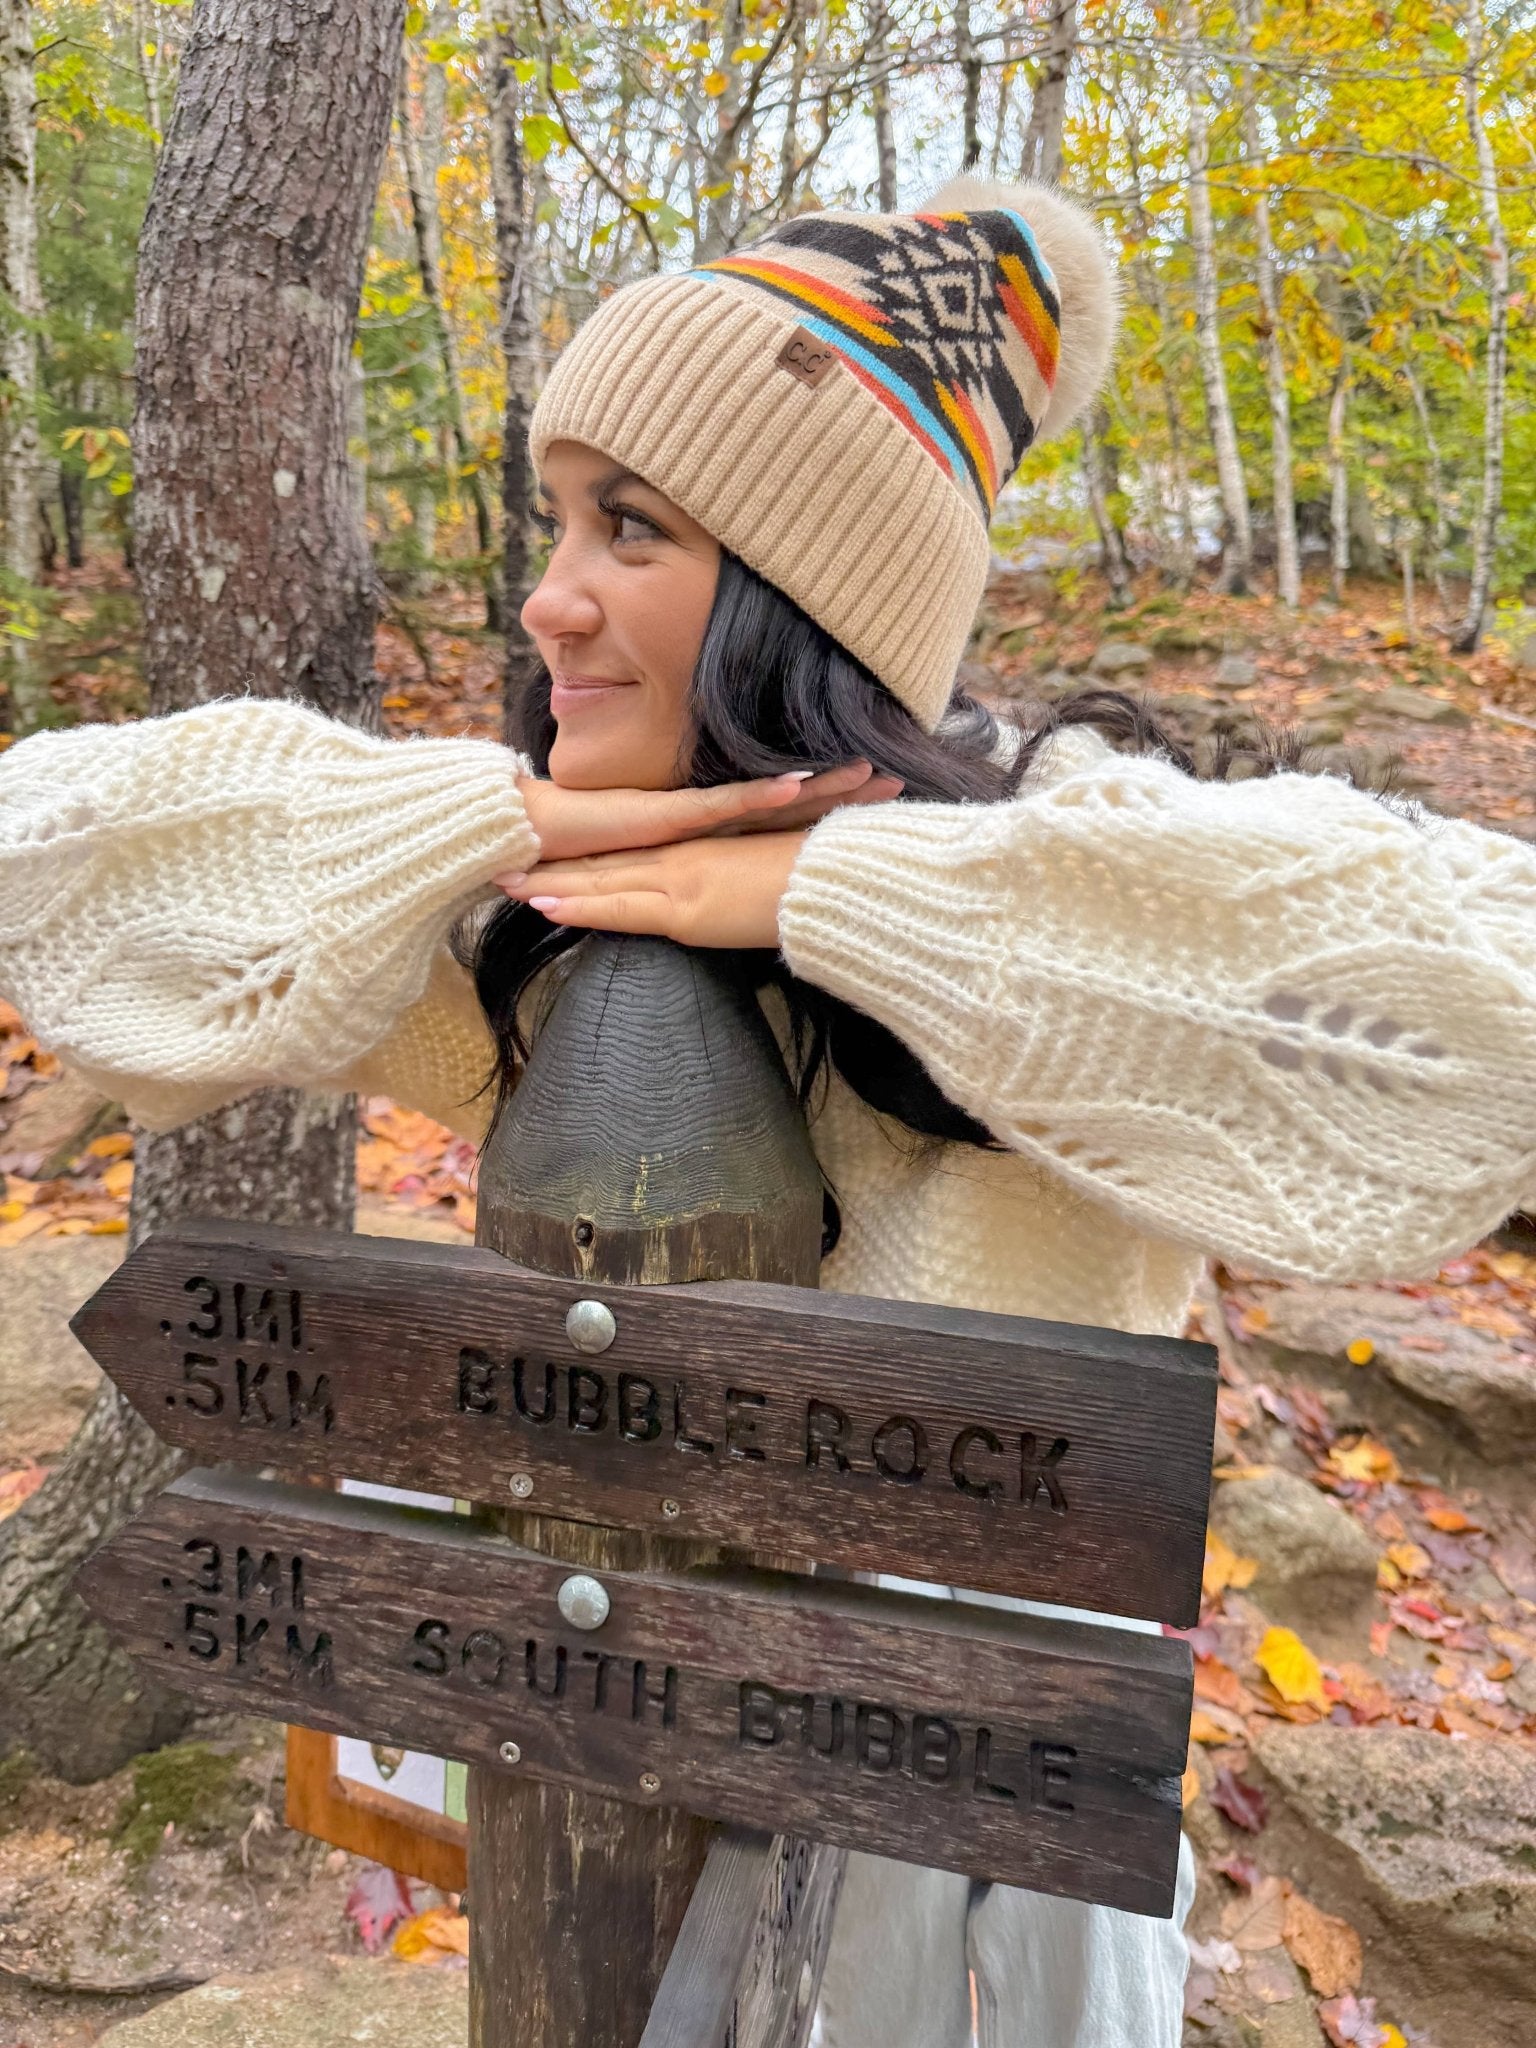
column 583, row 1601
column 590, row 1325
column 510, row 1753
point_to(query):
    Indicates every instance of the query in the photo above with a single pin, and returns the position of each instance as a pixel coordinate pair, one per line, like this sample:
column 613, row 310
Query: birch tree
column 1041, row 157
column 18, row 343
column 1237, row 555
column 1485, row 532
column 1287, row 550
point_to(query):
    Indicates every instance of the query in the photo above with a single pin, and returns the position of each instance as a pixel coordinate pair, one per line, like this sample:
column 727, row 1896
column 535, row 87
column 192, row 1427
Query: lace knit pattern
column 1274, row 1020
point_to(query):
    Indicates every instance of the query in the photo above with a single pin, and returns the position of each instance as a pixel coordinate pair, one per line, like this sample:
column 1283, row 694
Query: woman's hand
column 572, row 823
column 701, row 892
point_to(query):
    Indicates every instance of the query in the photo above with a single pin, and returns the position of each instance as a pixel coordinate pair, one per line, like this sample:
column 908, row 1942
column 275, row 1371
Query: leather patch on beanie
column 806, row 357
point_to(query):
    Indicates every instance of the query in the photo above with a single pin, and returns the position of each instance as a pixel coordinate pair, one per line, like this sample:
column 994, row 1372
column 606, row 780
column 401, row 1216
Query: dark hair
column 772, row 690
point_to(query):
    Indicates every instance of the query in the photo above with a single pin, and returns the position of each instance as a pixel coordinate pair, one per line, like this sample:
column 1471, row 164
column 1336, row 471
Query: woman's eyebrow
column 612, row 477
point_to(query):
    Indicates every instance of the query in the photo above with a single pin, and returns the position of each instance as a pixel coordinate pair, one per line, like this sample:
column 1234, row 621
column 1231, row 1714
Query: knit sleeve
column 242, row 895
column 1277, row 1020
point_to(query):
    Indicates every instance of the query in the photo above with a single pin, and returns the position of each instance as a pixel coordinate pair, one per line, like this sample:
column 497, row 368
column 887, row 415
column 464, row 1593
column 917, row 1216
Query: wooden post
column 654, row 1137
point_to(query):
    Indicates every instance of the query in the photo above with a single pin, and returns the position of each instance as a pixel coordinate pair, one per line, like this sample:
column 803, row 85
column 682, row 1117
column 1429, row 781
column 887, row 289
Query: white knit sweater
column 1273, row 1020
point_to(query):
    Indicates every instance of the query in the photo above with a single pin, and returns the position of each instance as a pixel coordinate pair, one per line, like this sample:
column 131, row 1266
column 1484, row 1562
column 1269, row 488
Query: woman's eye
column 543, row 521
column 632, row 525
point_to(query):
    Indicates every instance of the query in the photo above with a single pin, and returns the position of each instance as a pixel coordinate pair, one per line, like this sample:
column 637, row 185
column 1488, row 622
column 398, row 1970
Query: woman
column 1067, row 1020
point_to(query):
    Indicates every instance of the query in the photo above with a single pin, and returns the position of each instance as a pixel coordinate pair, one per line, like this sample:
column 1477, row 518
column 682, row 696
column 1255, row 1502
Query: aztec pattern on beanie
column 950, row 320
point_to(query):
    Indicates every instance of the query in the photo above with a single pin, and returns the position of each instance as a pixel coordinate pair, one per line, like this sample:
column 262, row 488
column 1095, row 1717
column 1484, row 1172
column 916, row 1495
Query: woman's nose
column 562, row 603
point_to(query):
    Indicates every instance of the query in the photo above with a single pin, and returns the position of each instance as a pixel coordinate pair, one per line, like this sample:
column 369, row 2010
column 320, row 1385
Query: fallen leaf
column 1360, row 1352
column 1350, row 2022
column 15, row 1487
column 1364, row 1460
column 1256, row 1920
column 1218, row 1683
column 1189, row 1785
column 1411, row 1559
column 1242, row 1870
column 1204, row 1727
column 1449, row 1521
column 23, row 1227
column 115, row 1145
column 1327, row 1949
column 432, row 1936
column 1291, row 1667
column 1218, row 1955
column 378, row 1899
column 118, row 1179
column 1223, row 1567
column 1243, row 1804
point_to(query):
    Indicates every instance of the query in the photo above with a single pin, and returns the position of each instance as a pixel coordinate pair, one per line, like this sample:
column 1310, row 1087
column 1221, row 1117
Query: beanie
column 840, row 402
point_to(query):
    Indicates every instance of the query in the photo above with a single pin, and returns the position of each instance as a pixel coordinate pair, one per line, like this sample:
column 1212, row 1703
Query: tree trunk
column 254, row 573
column 880, row 106
column 970, row 86
column 67, row 1693
column 1485, row 533
column 1048, row 108
column 1338, row 482
column 19, row 313
column 1096, row 466
column 72, row 506
column 520, row 353
column 1287, row 547
column 429, row 261
column 1237, row 555
column 1439, row 528
column 148, row 44
column 254, row 569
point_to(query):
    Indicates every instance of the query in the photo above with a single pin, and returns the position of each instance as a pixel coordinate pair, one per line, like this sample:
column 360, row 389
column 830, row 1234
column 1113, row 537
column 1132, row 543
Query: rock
column 1520, row 1690
column 420, row 2005
column 1291, row 2025
column 1190, row 710
column 1402, row 700
column 1183, row 638
column 1120, row 658
column 1317, row 1566
column 1236, row 672
column 52, row 1115
column 1476, row 1385
column 1057, row 682
column 46, row 1380
column 1430, row 1838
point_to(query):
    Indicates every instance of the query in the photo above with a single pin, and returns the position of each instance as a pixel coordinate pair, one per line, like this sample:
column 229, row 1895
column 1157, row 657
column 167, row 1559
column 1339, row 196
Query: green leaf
column 442, row 48
column 120, row 483
column 563, row 78
column 540, row 135
column 101, row 465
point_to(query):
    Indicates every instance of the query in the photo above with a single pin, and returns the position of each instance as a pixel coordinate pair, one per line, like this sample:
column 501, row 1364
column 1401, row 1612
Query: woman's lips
column 570, row 693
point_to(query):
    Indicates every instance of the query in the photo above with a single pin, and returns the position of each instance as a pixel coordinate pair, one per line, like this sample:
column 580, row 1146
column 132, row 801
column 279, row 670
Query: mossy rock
column 189, row 1786
column 1183, row 638
column 16, row 1773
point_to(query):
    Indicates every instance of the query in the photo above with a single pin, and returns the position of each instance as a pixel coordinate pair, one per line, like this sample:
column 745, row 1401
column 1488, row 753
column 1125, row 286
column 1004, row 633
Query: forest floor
column 1362, row 1781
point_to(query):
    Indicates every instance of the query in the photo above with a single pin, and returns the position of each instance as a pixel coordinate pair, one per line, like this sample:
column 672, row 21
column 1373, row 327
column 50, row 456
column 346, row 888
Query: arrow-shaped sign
column 931, row 1443
column 1035, row 1753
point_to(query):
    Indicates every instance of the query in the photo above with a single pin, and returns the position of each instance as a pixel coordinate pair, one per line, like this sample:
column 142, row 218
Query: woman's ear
column 1086, row 283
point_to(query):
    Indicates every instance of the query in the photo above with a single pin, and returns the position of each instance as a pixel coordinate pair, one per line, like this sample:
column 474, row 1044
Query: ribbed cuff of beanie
column 881, row 910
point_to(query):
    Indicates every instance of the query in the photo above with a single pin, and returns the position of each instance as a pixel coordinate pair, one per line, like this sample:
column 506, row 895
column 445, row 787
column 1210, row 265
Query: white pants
column 1050, row 1973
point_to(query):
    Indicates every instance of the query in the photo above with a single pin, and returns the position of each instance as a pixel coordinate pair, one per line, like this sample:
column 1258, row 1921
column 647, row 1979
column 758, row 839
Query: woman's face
column 618, row 617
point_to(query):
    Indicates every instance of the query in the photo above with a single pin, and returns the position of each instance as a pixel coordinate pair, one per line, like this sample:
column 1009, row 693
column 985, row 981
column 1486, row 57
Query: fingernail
column 545, row 902
column 795, row 775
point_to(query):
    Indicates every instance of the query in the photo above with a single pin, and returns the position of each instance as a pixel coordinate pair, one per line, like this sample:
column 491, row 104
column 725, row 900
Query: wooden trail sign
column 933, row 1443
column 750, row 1952
column 1034, row 1753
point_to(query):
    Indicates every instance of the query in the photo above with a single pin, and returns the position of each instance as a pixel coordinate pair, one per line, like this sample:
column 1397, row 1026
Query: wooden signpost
column 603, row 1646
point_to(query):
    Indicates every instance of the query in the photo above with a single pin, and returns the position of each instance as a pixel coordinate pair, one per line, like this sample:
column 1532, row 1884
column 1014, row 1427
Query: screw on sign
column 636, row 1356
